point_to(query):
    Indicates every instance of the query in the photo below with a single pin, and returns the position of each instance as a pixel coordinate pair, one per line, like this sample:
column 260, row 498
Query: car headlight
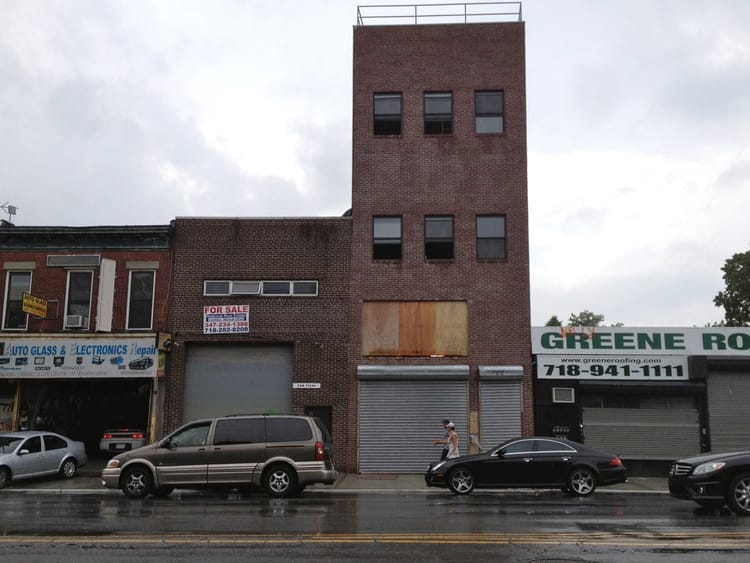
column 113, row 464
column 437, row 466
column 708, row 467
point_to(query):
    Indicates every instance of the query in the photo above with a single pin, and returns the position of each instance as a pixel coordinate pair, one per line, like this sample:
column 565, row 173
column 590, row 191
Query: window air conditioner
column 73, row 321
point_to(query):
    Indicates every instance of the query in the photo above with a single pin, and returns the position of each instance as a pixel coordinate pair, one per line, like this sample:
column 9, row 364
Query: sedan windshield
column 9, row 443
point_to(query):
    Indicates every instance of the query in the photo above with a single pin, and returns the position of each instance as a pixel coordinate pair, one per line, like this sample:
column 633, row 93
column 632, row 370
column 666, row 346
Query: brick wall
column 268, row 249
column 461, row 174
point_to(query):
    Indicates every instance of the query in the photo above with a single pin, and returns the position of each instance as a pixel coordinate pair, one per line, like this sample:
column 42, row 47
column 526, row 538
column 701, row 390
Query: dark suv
column 280, row 453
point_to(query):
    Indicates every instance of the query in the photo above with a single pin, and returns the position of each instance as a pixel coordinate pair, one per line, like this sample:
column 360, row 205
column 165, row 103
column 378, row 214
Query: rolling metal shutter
column 399, row 420
column 221, row 380
column 728, row 396
column 500, row 415
column 648, row 434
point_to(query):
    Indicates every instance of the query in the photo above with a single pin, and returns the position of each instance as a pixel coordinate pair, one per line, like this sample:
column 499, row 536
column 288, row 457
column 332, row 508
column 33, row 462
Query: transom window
column 141, row 299
column 387, row 114
column 438, row 238
column 386, row 238
column 260, row 287
column 488, row 111
column 491, row 237
column 438, row 113
column 16, row 284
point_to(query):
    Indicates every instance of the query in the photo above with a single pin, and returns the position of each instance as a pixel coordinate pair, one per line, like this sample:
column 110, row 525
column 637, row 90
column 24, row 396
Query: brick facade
column 268, row 249
column 460, row 174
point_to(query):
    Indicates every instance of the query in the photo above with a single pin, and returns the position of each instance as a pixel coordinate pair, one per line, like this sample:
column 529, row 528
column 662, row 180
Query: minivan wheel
column 68, row 469
column 280, row 481
column 136, row 482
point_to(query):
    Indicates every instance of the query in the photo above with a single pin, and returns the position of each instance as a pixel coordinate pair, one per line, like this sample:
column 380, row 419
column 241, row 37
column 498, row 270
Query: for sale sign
column 226, row 319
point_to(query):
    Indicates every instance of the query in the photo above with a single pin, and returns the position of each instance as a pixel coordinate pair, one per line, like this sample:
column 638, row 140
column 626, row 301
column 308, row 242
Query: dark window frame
column 387, row 247
column 74, row 305
column 13, row 304
column 438, row 122
column 141, row 298
column 486, row 113
column 386, row 121
column 438, row 246
column 487, row 246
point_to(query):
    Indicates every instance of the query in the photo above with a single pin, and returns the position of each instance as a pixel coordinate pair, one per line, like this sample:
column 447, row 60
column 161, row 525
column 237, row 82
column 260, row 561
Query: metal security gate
column 399, row 420
column 647, row 434
column 221, row 380
column 500, row 415
column 728, row 396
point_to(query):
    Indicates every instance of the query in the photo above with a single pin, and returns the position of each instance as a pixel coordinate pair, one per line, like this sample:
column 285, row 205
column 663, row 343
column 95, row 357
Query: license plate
column 119, row 446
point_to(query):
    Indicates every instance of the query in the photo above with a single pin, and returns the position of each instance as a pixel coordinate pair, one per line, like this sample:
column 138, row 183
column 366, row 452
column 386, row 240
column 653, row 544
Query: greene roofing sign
column 709, row 341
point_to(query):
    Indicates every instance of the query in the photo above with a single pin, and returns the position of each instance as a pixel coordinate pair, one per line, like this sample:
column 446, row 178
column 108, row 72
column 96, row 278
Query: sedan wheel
column 68, row 469
column 461, row 481
column 136, row 482
column 738, row 496
column 582, row 481
column 4, row 477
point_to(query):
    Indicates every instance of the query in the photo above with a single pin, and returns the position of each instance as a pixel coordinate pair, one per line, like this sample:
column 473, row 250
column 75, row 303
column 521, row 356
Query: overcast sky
column 136, row 112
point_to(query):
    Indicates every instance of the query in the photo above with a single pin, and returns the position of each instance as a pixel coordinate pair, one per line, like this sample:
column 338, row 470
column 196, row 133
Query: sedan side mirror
column 24, row 452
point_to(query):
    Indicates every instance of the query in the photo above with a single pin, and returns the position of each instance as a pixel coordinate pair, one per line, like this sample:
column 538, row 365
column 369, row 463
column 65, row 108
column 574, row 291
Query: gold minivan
column 280, row 453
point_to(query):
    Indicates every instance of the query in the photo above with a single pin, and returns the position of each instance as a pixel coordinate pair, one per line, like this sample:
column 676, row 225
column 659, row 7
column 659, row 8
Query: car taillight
column 138, row 436
column 615, row 462
column 319, row 451
column 107, row 436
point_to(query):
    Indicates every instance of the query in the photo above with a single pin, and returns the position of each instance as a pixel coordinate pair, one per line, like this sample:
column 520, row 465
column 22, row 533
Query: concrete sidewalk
column 88, row 480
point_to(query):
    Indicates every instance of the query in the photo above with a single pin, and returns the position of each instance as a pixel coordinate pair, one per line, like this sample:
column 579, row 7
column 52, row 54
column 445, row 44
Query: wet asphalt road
column 225, row 526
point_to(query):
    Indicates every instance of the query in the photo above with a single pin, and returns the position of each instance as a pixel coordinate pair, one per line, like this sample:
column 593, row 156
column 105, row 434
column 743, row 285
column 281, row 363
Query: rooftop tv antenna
column 9, row 209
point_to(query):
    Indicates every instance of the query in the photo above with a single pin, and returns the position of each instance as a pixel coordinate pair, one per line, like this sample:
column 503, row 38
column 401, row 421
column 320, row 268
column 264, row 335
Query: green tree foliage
column 553, row 321
column 736, row 297
column 585, row 318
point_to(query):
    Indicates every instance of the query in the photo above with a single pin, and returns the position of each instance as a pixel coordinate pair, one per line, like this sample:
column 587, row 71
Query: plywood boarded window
column 415, row 328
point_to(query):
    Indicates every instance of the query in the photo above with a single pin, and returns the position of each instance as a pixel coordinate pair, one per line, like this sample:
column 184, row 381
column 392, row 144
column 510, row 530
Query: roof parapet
column 466, row 12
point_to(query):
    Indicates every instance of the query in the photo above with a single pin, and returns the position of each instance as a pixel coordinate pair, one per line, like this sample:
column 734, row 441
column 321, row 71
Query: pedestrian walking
column 444, row 440
column 452, row 442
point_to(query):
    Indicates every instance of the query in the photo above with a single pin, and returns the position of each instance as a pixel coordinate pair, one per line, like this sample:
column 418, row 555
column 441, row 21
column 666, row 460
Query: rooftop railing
column 467, row 12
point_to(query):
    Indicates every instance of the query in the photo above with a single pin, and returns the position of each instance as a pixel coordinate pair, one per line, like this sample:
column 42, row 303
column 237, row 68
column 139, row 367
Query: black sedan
column 536, row 462
column 713, row 480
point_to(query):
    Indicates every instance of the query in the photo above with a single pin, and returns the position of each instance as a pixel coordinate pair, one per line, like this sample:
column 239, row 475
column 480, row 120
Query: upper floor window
column 16, row 284
column 491, row 237
column 438, row 238
column 488, row 111
column 438, row 113
column 141, row 299
column 78, row 304
column 386, row 238
column 387, row 114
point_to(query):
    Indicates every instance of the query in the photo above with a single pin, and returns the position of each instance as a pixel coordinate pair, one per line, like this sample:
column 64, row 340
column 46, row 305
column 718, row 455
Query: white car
column 35, row 453
column 122, row 439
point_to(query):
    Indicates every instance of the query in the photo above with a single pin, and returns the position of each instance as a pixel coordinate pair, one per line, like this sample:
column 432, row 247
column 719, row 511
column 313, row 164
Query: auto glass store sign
column 48, row 358
column 647, row 354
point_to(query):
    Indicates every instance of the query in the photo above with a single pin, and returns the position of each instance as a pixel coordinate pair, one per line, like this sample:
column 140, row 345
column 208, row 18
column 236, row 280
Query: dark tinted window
column 438, row 113
column 552, row 446
column 279, row 429
column 34, row 445
column 491, row 237
column 522, row 446
column 276, row 288
column 239, row 431
column 54, row 443
column 438, row 238
column 386, row 238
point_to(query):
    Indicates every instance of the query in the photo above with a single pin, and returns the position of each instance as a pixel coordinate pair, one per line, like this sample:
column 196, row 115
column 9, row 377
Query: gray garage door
column 222, row 380
column 728, row 397
column 398, row 421
column 500, row 415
